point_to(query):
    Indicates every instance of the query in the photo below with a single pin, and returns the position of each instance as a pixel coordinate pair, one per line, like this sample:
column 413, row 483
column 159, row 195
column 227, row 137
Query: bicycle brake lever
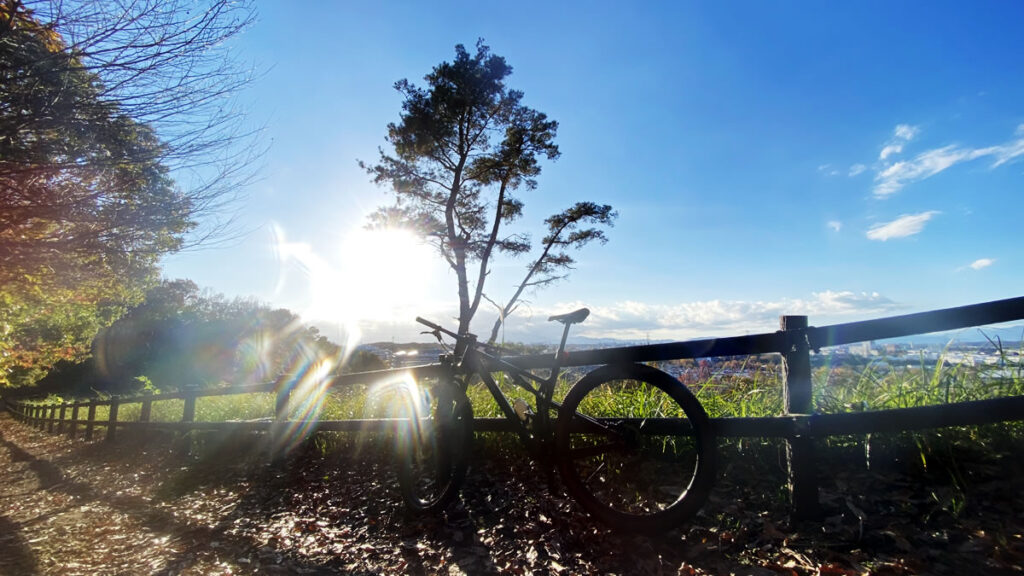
column 436, row 333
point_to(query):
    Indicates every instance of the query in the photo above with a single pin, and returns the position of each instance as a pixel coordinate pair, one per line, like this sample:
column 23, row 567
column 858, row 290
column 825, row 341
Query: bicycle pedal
column 522, row 409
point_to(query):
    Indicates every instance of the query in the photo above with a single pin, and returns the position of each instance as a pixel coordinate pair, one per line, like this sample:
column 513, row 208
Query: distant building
column 861, row 349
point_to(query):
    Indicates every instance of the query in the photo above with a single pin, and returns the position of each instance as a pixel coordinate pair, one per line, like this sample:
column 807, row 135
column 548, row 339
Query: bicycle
column 633, row 446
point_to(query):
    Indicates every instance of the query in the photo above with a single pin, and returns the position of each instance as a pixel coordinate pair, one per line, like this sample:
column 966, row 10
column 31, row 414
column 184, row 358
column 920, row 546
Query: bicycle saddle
column 572, row 317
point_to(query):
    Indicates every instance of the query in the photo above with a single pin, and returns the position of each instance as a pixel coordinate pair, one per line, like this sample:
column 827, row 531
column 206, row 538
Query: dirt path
column 139, row 507
column 75, row 508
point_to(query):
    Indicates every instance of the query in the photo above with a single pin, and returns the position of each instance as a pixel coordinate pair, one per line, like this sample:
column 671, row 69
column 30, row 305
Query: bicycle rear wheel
column 635, row 448
column 434, row 446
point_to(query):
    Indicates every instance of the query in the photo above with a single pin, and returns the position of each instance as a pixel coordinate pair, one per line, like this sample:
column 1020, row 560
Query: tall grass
column 754, row 391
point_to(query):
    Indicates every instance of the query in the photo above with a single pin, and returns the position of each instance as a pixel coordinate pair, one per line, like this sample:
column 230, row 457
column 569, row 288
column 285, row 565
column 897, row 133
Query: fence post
column 60, row 423
column 90, row 423
column 112, row 421
column 147, row 408
column 53, row 416
column 73, row 425
column 188, row 414
column 801, row 463
column 278, row 429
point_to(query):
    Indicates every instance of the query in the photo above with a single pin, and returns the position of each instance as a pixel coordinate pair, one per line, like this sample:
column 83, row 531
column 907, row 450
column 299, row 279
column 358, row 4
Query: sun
column 389, row 254
column 384, row 271
column 372, row 275
column 369, row 277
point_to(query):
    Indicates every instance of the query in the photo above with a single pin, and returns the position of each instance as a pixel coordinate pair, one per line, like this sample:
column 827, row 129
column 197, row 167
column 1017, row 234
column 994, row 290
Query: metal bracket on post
column 800, row 454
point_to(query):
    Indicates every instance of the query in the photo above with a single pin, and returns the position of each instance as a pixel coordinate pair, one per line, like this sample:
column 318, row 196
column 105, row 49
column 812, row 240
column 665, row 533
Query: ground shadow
column 16, row 556
column 16, row 552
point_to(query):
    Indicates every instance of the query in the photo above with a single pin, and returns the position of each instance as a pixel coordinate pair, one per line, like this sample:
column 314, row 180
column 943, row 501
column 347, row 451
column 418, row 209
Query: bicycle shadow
column 527, row 521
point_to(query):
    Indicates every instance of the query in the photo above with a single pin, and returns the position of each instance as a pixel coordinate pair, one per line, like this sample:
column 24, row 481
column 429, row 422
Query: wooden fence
column 794, row 341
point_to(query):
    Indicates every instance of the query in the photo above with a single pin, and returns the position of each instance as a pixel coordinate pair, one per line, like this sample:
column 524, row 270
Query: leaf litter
column 142, row 505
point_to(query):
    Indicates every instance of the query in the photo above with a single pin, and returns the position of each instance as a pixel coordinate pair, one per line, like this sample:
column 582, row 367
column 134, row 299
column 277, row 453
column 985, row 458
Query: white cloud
column 905, row 132
column 639, row 322
column 857, row 169
column 982, row 263
column 924, row 165
column 835, row 225
column 1010, row 150
column 902, row 134
column 828, row 170
column 906, row 225
column 890, row 150
column 893, row 177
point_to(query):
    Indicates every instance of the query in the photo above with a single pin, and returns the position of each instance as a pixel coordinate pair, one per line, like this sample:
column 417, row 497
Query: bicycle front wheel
column 635, row 448
column 434, row 446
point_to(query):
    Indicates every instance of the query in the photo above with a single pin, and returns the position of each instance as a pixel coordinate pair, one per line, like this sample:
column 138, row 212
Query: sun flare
column 373, row 275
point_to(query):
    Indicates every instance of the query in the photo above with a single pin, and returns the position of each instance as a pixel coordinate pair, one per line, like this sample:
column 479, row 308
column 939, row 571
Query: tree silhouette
column 464, row 146
column 554, row 262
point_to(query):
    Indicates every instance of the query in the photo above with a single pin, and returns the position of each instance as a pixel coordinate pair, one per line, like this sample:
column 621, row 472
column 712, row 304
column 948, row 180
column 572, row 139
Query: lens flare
column 309, row 384
column 374, row 276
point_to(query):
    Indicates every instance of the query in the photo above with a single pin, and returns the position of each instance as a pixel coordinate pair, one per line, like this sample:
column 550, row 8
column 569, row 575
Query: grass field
column 756, row 391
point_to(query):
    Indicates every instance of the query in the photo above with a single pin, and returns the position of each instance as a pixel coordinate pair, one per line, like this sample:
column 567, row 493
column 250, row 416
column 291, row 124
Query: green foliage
column 181, row 337
column 85, row 208
column 363, row 361
column 145, row 386
column 100, row 102
column 236, row 407
column 178, row 336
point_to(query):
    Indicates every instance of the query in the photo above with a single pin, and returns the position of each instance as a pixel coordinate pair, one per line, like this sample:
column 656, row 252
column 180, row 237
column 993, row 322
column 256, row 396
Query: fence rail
column 787, row 338
column 794, row 341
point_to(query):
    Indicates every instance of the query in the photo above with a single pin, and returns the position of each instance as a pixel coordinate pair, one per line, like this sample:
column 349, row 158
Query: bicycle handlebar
column 436, row 327
column 470, row 339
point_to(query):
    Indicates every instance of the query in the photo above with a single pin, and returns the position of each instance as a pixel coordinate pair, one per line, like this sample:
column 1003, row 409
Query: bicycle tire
column 637, row 470
column 434, row 446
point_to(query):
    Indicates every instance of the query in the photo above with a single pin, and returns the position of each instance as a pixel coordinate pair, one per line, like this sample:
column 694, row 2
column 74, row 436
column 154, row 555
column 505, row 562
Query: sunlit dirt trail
column 163, row 505
column 65, row 511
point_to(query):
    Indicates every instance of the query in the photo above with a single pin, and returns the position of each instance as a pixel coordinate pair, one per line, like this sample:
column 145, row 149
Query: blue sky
column 844, row 161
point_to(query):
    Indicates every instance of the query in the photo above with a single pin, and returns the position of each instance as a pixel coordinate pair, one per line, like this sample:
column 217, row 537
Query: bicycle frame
column 474, row 361
column 597, row 453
